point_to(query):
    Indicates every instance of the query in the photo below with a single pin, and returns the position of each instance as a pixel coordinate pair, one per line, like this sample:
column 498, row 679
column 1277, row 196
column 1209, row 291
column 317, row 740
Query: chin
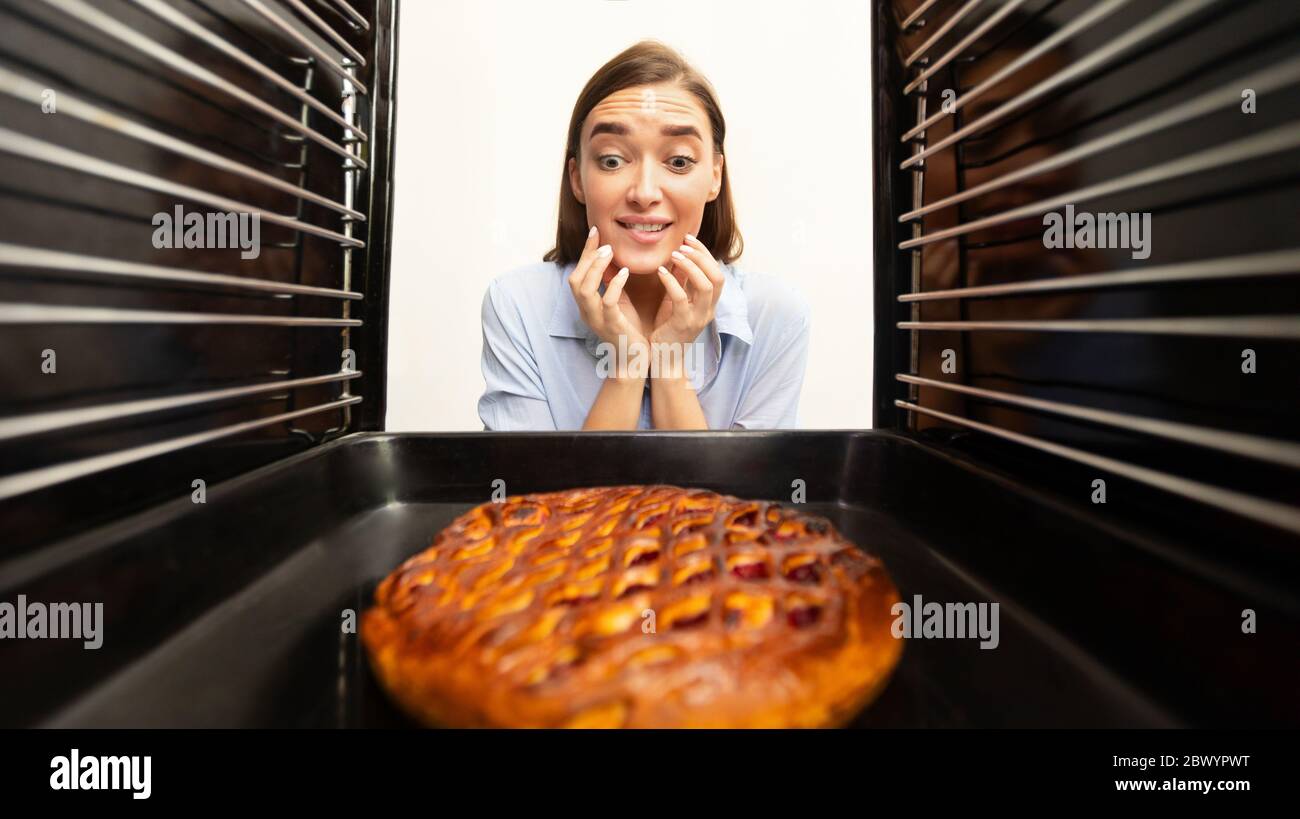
column 637, row 264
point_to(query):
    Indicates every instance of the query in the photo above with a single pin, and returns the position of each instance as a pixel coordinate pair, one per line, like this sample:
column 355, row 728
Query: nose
column 644, row 190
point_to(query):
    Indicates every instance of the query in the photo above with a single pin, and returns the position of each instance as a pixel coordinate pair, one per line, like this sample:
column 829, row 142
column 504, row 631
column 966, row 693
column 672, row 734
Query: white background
column 485, row 90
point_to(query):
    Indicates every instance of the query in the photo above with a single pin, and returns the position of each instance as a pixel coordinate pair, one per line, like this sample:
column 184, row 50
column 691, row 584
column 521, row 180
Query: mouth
column 646, row 234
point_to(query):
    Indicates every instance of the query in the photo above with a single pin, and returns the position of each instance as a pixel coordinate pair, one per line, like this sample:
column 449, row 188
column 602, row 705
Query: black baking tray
column 230, row 612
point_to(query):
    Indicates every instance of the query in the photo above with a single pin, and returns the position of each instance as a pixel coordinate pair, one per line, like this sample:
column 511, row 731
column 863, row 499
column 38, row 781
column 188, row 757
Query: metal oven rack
column 175, row 366
column 1118, row 369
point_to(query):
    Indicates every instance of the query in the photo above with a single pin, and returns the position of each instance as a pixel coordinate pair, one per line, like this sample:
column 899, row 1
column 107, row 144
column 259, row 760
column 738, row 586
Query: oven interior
column 1102, row 439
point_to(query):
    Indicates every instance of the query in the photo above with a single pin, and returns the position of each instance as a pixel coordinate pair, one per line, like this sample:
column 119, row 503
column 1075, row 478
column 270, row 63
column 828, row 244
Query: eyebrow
column 619, row 129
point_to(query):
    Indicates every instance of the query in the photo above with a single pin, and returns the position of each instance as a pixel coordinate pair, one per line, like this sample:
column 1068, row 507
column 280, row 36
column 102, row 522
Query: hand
column 613, row 314
column 691, row 292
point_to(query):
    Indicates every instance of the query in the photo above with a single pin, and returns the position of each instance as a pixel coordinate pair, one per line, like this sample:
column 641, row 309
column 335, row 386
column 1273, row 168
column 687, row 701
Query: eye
column 612, row 162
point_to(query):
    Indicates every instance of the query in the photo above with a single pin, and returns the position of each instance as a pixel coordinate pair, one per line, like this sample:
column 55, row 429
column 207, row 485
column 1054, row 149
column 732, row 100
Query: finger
column 586, row 254
column 679, row 273
column 675, row 291
column 717, row 281
column 613, row 301
column 584, row 260
column 700, row 286
column 615, row 289
column 600, row 260
column 697, row 251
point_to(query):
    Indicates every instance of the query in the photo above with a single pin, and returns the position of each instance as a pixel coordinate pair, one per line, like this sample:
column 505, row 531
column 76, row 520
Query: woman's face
column 646, row 159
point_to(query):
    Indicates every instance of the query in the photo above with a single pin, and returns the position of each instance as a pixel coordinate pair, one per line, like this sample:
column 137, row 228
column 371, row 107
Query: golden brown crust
column 537, row 611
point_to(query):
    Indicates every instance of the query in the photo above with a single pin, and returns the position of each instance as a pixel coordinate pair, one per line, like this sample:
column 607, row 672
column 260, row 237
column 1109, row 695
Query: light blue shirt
column 540, row 359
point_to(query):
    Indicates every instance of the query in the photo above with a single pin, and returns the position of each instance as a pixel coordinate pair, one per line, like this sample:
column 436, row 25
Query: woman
column 637, row 318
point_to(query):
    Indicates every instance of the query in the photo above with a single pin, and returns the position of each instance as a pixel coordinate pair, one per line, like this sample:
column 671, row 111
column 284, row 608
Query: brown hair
column 646, row 63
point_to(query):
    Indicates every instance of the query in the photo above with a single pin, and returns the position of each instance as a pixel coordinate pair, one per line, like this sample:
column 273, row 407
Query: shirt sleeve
column 513, row 398
column 772, row 400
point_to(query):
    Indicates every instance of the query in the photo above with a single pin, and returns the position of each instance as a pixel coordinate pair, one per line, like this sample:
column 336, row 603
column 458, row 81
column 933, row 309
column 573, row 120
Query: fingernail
column 623, row 272
column 686, row 249
column 692, row 238
column 591, row 232
column 664, row 270
column 604, row 250
column 679, row 257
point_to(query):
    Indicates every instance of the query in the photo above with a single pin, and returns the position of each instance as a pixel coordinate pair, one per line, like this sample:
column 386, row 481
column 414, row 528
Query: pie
column 638, row 607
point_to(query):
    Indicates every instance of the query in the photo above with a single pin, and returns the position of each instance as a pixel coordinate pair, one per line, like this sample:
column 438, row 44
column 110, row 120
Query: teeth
column 646, row 228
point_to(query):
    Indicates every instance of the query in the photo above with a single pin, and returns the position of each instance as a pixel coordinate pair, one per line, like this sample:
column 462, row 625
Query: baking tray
column 229, row 613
